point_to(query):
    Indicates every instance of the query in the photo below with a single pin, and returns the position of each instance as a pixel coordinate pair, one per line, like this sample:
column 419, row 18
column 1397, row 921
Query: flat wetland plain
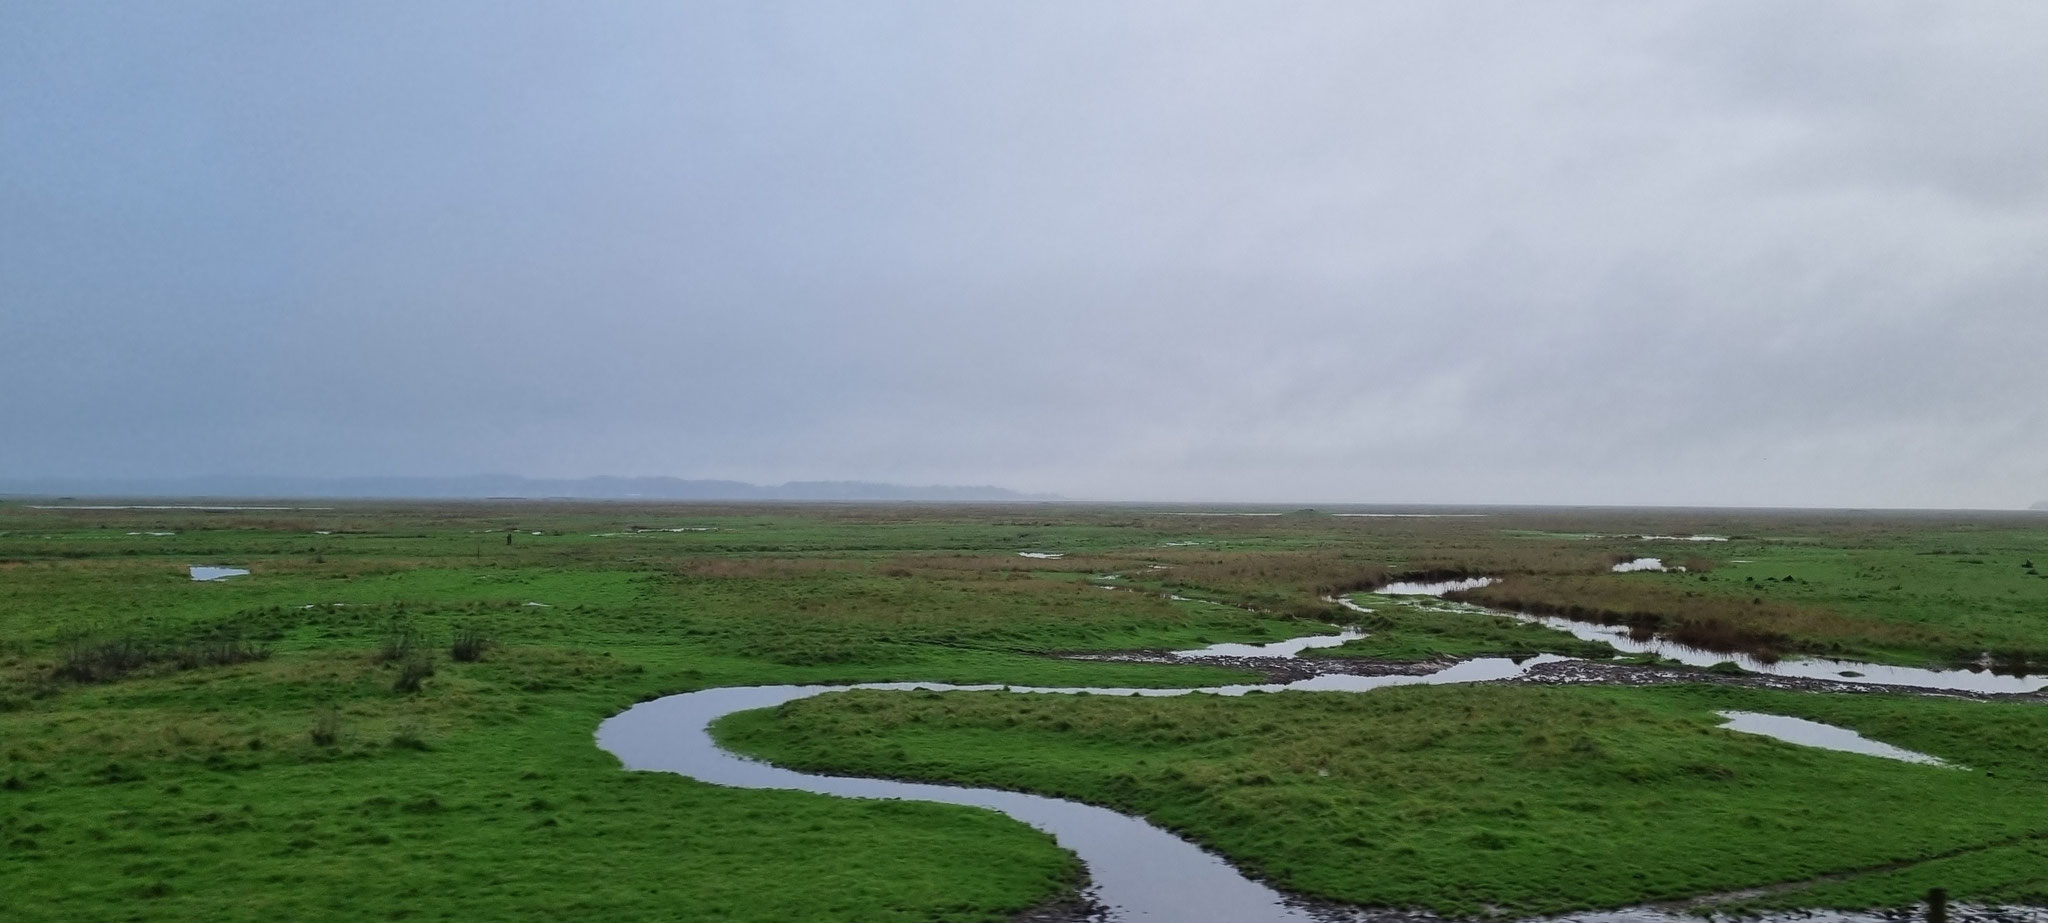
column 391, row 715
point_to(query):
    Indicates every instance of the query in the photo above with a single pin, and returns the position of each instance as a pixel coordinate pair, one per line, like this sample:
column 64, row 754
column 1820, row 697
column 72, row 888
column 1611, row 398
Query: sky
column 1685, row 253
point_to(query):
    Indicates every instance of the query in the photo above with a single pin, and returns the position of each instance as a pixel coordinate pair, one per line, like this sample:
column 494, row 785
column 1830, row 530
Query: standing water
column 1623, row 639
column 1825, row 736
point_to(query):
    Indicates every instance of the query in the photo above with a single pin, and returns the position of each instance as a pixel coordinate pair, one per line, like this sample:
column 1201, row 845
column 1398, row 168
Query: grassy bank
column 1460, row 799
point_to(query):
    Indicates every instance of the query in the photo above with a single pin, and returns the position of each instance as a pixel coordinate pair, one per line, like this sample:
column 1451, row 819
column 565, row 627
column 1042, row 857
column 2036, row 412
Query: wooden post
column 1937, row 905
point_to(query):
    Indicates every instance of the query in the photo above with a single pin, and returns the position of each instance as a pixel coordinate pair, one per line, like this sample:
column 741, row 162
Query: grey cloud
column 1487, row 252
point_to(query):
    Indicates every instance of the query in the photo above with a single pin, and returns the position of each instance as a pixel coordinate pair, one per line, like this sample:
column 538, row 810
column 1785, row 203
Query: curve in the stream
column 1138, row 872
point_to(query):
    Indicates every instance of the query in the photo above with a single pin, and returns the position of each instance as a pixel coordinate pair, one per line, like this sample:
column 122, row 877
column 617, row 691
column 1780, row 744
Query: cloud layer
column 1712, row 253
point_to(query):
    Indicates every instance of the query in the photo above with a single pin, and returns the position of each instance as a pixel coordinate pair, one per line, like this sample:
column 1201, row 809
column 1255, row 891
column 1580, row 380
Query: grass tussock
column 400, row 643
column 326, row 729
column 413, row 673
column 468, row 645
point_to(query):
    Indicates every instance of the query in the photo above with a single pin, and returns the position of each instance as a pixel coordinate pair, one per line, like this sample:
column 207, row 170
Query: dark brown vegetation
column 1715, row 622
column 413, row 672
column 468, row 645
column 83, row 658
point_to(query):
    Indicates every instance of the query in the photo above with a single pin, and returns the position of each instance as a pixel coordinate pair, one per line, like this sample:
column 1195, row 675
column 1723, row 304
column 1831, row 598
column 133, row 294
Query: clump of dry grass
column 1317, row 573
column 468, row 645
column 1714, row 622
column 765, row 568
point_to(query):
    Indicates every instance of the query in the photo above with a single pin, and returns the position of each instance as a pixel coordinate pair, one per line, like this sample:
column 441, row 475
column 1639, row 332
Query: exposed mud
column 1077, row 907
column 1595, row 672
column 1556, row 673
column 1277, row 669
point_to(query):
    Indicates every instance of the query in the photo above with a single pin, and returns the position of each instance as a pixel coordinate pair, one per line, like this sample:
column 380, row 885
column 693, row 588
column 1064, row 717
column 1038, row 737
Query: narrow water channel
column 1621, row 639
column 1138, row 872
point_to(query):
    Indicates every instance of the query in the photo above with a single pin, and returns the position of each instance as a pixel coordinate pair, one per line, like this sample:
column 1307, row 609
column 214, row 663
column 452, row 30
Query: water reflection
column 1825, row 736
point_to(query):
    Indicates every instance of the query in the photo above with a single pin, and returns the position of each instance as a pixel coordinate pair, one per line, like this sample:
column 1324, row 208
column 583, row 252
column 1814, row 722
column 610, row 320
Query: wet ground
column 1139, row 873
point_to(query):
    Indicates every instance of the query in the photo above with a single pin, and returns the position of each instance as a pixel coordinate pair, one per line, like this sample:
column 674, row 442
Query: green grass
column 201, row 794
column 134, row 802
column 1460, row 799
column 195, row 792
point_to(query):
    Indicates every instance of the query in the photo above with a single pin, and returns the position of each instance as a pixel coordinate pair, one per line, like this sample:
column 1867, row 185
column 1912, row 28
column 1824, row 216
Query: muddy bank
column 1276, row 669
column 1550, row 673
column 1077, row 907
column 1594, row 672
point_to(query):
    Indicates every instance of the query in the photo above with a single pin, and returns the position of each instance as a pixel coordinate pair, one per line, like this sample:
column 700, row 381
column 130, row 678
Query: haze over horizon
column 1705, row 253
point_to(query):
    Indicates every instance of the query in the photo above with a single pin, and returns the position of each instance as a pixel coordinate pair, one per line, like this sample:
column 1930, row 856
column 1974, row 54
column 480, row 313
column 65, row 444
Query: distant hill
column 501, row 485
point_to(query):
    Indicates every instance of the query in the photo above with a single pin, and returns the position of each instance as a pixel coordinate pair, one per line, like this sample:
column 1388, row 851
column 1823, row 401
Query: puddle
column 1677, row 538
column 201, row 572
column 1041, row 555
column 1437, row 588
column 1180, row 544
column 1137, row 871
column 1825, row 736
column 153, row 533
column 1291, row 647
column 1642, row 564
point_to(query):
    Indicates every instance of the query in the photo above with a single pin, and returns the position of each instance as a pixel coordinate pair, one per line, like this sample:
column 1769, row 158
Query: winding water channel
column 1140, row 872
column 1621, row 638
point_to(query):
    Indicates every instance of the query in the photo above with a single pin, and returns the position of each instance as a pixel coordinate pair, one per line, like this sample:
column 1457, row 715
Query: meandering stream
column 1138, row 872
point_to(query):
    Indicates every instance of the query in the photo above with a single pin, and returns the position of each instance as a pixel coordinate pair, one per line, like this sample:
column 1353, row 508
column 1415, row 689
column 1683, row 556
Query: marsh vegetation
column 378, row 687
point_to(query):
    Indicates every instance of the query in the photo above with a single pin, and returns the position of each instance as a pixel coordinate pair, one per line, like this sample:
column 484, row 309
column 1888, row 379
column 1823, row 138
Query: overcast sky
column 1688, row 253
